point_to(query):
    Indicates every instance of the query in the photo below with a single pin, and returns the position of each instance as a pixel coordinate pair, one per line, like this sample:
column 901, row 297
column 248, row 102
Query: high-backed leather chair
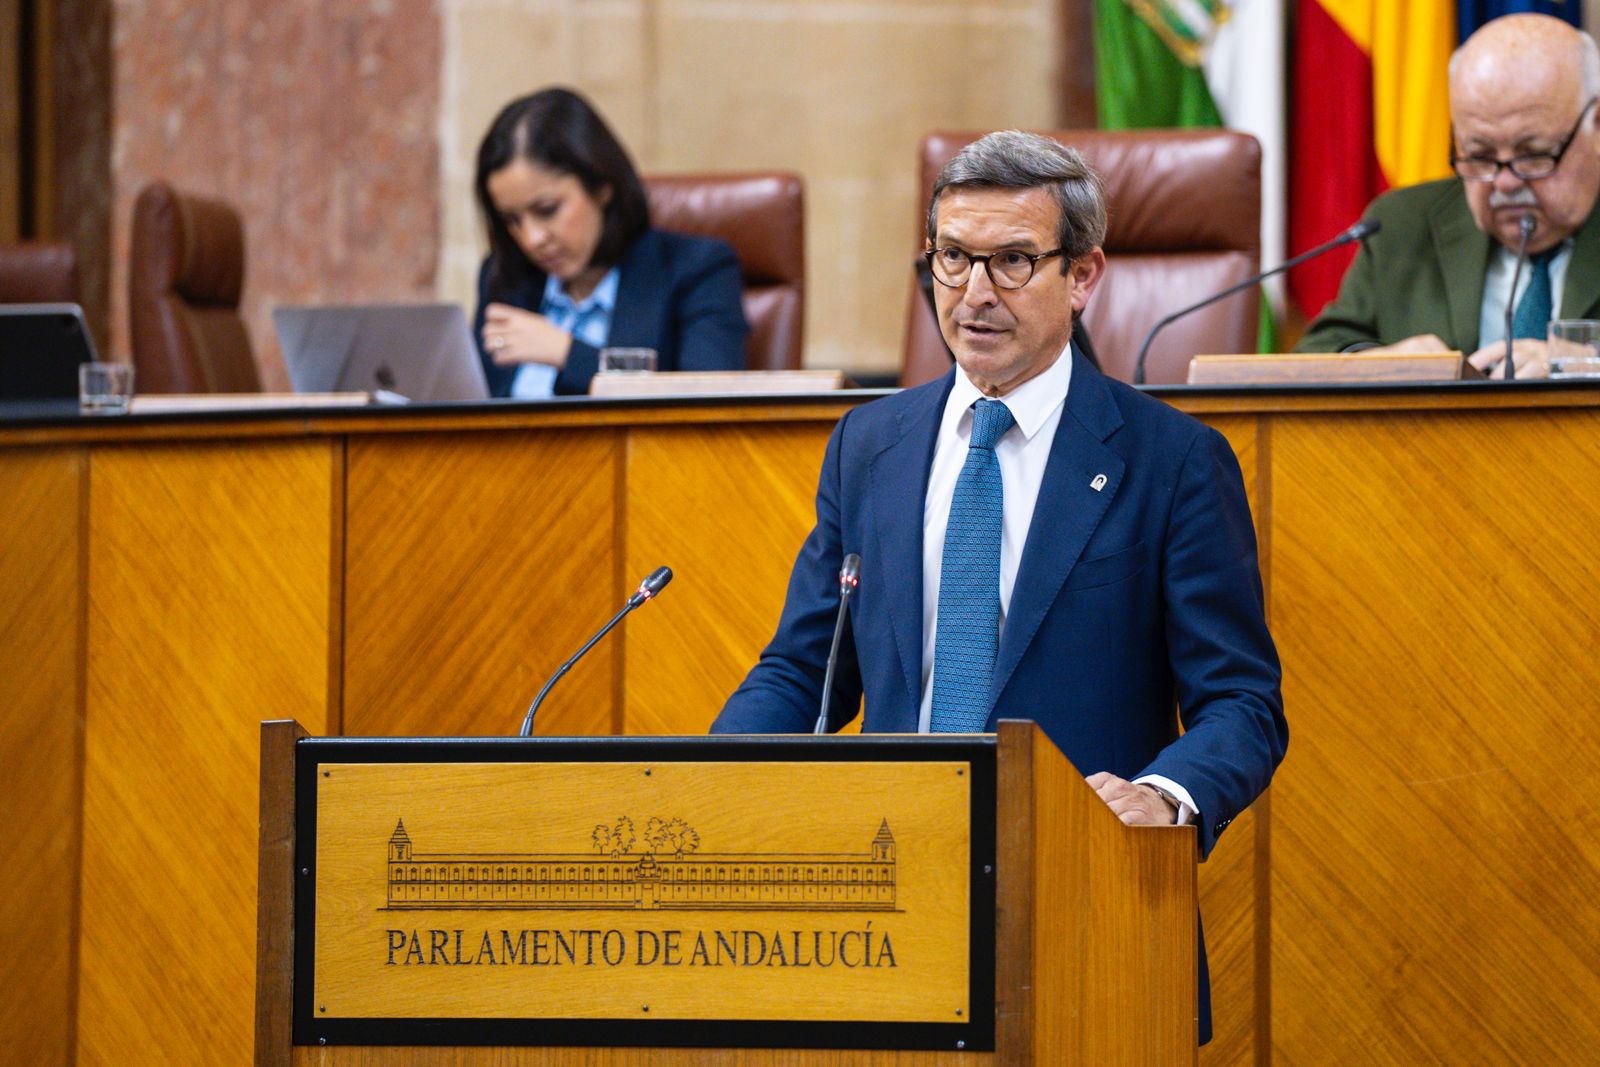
column 763, row 217
column 185, row 276
column 1184, row 222
column 38, row 272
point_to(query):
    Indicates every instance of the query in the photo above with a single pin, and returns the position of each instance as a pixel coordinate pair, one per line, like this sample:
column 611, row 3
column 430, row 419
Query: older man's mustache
column 1523, row 197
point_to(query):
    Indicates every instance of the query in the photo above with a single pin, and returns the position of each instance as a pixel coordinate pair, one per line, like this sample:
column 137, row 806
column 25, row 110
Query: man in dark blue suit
column 1036, row 540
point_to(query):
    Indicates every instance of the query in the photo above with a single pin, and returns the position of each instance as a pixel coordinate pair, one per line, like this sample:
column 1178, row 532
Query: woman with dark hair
column 574, row 265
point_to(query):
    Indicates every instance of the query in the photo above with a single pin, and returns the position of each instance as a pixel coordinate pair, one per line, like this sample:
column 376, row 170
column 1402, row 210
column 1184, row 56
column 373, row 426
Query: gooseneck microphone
column 1525, row 227
column 648, row 590
column 1359, row 232
column 849, row 578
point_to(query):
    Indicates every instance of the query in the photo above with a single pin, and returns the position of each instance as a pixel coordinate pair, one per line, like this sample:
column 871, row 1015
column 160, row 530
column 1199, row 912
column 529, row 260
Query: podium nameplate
column 691, row 892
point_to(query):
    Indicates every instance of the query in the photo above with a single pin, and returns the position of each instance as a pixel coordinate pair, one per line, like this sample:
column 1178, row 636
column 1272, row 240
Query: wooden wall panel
column 1431, row 584
column 208, row 611
column 727, row 508
column 1233, row 879
column 476, row 564
column 1233, row 915
column 1436, row 853
column 41, row 708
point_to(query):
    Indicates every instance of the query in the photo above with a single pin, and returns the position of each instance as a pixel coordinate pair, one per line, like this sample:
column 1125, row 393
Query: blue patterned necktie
column 968, row 628
column 1537, row 306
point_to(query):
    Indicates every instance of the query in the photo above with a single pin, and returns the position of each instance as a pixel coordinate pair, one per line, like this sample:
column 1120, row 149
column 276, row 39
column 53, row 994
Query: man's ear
column 1086, row 271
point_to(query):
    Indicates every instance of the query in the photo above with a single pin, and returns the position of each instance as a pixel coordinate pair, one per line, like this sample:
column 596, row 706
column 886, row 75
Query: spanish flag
column 1370, row 112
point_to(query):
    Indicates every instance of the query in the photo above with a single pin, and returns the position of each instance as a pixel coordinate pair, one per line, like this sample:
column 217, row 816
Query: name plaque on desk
column 677, row 894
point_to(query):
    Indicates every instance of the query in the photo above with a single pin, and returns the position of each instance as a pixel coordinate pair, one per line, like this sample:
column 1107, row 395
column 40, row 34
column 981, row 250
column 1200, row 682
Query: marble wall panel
column 77, row 203
column 840, row 92
column 316, row 119
column 345, row 131
column 10, row 121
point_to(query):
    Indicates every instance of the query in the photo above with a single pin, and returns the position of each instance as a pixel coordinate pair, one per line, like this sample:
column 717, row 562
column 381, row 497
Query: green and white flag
column 1194, row 63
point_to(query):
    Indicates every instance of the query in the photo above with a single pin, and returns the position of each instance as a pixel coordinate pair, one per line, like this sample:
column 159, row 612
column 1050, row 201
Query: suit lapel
column 1581, row 291
column 898, row 484
column 1068, row 511
column 639, row 297
column 1463, row 254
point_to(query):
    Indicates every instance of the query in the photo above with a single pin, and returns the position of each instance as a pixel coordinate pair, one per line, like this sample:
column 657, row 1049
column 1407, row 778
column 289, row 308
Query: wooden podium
column 713, row 900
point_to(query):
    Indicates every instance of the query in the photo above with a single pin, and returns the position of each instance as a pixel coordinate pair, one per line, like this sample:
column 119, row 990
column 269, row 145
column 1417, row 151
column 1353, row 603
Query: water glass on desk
column 105, row 388
column 627, row 360
column 1573, row 346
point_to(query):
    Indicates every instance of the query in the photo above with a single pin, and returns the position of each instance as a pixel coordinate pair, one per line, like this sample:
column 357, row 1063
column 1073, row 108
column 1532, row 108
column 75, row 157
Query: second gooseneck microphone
column 1359, row 232
column 1525, row 227
column 849, row 578
column 648, row 589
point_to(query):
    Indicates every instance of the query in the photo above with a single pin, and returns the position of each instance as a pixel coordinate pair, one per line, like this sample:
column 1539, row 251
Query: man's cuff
column 1186, row 807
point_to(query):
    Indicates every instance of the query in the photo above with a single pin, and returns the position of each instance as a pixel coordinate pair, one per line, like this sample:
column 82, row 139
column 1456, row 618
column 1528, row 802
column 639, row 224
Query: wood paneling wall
column 1420, row 885
column 1436, row 597
column 41, row 748
column 208, row 610
column 475, row 564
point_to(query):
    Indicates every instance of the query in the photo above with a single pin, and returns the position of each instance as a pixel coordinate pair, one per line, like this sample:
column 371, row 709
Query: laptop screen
column 41, row 346
column 423, row 352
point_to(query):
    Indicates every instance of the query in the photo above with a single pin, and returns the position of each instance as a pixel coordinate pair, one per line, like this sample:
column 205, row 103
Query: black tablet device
column 41, row 346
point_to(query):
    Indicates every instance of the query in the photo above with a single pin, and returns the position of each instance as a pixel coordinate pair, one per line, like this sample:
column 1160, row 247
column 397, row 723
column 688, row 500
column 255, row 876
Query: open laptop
column 421, row 352
column 41, row 346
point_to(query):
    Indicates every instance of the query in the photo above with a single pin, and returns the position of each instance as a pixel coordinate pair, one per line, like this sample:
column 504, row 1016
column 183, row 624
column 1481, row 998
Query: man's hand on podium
column 1135, row 805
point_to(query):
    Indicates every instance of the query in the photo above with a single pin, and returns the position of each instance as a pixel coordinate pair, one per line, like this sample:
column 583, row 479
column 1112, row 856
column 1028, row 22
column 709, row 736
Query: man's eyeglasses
column 1009, row 269
column 1529, row 168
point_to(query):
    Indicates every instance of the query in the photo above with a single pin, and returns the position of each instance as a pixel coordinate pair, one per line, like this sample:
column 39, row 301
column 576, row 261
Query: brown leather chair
column 763, row 217
column 38, row 272
column 1185, row 222
column 185, row 276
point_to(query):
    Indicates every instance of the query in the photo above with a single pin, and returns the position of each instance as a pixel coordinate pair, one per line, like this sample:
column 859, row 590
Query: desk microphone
column 1359, row 232
column 648, row 589
column 849, row 578
column 1525, row 227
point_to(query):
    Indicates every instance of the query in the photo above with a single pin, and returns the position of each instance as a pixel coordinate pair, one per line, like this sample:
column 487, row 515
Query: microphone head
column 1526, row 225
column 849, row 574
column 1363, row 229
column 656, row 582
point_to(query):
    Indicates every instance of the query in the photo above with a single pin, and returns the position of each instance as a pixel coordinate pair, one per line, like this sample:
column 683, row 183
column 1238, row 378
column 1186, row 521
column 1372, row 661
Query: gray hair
column 1012, row 159
column 1588, row 69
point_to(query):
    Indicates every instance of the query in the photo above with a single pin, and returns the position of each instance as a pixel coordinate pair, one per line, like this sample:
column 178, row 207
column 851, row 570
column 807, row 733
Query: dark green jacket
column 1423, row 273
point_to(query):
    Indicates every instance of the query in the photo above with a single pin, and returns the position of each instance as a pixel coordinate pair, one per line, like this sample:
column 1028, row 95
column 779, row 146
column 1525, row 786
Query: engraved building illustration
column 686, row 880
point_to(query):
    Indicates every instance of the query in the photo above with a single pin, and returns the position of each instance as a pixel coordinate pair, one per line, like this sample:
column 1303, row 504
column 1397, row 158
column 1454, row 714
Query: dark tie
column 1537, row 306
column 968, row 627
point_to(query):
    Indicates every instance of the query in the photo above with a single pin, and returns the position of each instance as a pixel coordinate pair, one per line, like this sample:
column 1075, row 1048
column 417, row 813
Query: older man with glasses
column 1439, row 275
column 1036, row 541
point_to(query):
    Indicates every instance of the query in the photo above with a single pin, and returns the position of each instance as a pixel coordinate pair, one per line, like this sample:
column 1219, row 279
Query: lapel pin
column 1099, row 482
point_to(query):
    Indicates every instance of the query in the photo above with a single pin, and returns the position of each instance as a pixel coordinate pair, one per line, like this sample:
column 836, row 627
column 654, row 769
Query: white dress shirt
column 1497, row 283
column 1022, row 453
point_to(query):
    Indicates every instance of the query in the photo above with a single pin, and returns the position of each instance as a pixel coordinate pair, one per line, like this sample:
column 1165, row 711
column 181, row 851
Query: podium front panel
column 699, row 892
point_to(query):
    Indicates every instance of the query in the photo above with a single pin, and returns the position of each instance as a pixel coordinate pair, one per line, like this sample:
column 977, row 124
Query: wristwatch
column 1177, row 805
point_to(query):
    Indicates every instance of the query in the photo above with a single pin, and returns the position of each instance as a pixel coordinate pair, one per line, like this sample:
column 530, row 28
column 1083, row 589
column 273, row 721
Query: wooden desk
column 1422, row 883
